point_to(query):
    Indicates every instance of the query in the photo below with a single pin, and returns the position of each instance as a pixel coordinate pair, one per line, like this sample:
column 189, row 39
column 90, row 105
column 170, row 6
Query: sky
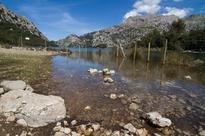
column 57, row 19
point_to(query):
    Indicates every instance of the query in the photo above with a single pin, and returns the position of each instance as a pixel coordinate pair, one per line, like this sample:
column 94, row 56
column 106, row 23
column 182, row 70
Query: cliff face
column 8, row 17
column 130, row 31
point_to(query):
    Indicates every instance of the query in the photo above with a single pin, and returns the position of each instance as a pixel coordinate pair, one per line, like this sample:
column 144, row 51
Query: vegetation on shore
column 178, row 38
column 32, row 69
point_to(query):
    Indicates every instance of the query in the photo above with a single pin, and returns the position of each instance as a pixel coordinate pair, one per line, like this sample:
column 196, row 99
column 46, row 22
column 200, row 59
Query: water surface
column 156, row 87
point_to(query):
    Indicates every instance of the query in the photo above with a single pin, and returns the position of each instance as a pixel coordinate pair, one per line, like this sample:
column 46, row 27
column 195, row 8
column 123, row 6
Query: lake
column 151, row 86
column 155, row 87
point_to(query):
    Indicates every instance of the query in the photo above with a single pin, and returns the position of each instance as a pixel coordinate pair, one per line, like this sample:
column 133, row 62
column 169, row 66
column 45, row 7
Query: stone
column 108, row 80
column 93, row 71
column 113, row 96
column 13, row 85
column 142, row 132
column 1, row 91
column 202, row 133
column 188, row 77
column 57, row 128
column 59, row 134
column 156, row 119
column 87, row 108
column 74, row 134
column 96, row 126
column 22, row 122
column 23, row 133
column 121, row 96
column 38, row 110
column 67, row 130
column 130, row 128
column 74, row 122
column 11, row 118
column 82, row 127
column 65, row 123
column 133, row 106
column 88, row 131
column 29, row 88
column 155, row 134
column 116, row 133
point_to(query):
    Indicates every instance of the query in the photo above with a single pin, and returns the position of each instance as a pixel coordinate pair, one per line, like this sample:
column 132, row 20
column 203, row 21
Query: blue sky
column 59, row 18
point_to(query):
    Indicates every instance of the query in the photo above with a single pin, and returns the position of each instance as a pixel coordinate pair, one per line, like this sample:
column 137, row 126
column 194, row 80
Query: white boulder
column 37, row 110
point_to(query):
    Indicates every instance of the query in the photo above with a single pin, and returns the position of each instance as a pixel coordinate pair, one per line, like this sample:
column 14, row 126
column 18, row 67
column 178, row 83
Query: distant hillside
column 13, row 28
column 131, row 30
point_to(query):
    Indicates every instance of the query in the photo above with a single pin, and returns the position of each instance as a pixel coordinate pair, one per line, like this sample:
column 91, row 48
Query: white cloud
column 177, row 12
column 144, row 7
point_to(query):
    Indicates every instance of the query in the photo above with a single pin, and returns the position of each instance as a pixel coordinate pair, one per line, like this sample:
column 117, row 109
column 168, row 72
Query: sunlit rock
column 156, row 119
column 37, row 110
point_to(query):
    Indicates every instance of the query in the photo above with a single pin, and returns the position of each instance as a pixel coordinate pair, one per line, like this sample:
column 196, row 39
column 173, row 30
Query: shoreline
column 24, row 51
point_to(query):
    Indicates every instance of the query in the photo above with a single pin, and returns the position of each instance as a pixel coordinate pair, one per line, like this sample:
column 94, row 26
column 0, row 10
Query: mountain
column 195, row 22
column 13, row 26
column 130, row 31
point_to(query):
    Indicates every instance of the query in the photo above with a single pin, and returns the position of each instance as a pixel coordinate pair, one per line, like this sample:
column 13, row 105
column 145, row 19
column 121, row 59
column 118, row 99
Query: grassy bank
column 34, row 69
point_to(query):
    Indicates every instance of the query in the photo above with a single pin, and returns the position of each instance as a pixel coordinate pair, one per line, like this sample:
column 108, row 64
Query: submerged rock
column 133, row 106
column 113, row 96
column 93, row 71
column 108, row 80
column 156, row 119
column 13, row 85
column 37, row 110
column 188, row 77
column 130, row 128
column 142, row 132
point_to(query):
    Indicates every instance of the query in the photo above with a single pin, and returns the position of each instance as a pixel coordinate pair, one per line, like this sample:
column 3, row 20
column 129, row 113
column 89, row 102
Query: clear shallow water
column 158, row 88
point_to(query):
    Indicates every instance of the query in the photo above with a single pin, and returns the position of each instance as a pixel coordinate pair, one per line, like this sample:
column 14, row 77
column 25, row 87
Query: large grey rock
column 156, row 119
column 13, row 85
column 37, row 110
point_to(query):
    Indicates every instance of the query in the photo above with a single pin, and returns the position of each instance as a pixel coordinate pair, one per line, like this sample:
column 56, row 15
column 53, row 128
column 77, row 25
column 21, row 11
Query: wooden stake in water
column 148, row 52
column 117, row 51
column 135, row 51
column 123, row 53
column 165, row 52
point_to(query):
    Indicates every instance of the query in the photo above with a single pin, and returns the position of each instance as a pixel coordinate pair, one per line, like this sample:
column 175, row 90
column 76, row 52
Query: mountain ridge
column 130, row 31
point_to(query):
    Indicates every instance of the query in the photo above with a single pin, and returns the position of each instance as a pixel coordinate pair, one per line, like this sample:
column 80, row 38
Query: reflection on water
column 152, row 83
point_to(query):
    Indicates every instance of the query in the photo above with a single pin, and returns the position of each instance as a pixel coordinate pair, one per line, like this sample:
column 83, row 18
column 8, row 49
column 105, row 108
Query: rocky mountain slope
column 13, row 25
column 130, row 31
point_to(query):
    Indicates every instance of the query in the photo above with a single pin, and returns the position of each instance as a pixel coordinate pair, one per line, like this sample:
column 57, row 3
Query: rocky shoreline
column 19, row 104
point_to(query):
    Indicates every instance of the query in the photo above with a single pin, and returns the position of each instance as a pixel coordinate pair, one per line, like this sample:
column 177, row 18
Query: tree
column 175, row 33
